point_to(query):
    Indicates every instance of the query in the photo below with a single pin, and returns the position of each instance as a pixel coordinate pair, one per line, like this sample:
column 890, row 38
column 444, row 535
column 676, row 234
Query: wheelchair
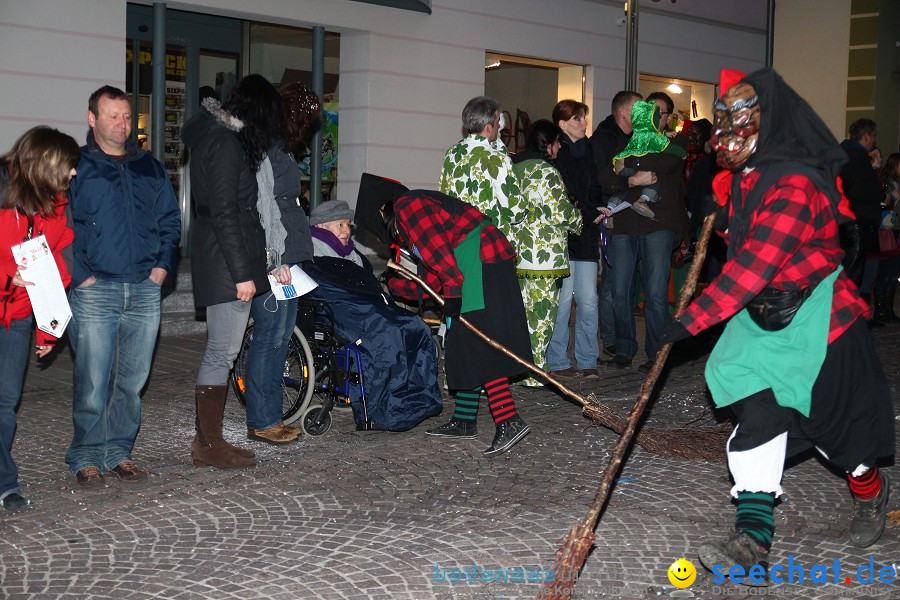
column 319, row 365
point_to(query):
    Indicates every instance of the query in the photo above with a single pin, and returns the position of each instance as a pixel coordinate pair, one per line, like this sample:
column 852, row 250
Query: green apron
column 468, row 259
column 748, row 359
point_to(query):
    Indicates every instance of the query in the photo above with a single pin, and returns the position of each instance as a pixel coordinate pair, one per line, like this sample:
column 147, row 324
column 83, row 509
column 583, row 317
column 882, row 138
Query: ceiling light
column 491, row 63
column 674, row 88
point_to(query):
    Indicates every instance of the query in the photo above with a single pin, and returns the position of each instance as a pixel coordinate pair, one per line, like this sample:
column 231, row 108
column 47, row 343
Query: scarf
column 332, row 240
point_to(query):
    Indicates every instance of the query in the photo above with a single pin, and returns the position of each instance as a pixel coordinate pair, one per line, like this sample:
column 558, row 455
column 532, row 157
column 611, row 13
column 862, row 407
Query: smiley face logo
column 682, row 573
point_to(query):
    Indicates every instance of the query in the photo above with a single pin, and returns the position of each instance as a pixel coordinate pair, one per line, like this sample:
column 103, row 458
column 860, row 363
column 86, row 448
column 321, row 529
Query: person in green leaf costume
column 478, row 170
column 543, row 254
column 645, row 139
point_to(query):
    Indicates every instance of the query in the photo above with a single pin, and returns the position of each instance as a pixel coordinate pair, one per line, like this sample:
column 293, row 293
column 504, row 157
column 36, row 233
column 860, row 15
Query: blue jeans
column 225, row 326
column 654, row 252
column 273, row 324
column 583, row 284
column 14, row 345
column 113, row 333
column 607, row 321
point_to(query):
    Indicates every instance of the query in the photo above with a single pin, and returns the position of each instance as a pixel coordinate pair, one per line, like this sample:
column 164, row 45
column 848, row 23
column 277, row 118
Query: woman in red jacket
column 34, row 180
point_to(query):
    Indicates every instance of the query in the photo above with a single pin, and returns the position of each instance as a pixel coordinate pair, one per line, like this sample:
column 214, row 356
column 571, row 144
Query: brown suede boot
column 209, row 447
column 198, row 438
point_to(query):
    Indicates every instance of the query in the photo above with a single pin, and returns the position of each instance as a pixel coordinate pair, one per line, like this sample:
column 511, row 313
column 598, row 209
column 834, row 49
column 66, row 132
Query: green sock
column 466, row 404
column 756, row 516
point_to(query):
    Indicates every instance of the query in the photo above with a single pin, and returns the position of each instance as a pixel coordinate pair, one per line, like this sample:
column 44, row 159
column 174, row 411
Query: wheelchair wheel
column 298, row 379
column 316, row 421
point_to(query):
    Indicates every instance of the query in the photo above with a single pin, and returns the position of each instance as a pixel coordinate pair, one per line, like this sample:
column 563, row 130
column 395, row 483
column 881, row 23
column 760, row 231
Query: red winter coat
column 14, row 302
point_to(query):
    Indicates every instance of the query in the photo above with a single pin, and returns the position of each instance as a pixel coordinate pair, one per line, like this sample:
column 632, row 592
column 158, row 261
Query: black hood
column 375, row 192
column 791, row 131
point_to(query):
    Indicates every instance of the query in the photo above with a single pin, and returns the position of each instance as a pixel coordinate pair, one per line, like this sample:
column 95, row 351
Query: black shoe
column 609, row 350
column 645, row 367
column 508, row 433
column 14, row 502
column 867, row 523
column 568, row 372
column 620, row 362
column 590, row 374
column 455, row 428
column 739, row 549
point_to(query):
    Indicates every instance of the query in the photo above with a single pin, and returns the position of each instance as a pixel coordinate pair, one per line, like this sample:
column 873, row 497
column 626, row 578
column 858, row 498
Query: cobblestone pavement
column 392, row 515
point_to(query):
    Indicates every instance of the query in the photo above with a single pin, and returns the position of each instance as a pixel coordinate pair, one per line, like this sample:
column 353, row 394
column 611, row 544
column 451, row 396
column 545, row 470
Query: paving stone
column 372, row 515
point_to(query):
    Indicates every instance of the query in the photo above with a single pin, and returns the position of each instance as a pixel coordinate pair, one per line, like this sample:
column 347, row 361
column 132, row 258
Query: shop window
column 693, row 99
column 528, row 89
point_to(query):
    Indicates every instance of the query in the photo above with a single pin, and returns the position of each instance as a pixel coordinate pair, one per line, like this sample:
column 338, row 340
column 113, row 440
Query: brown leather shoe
column 570, row 372
column 129, row 472
column 90, row 477
column 278, row 435
column 291, row 430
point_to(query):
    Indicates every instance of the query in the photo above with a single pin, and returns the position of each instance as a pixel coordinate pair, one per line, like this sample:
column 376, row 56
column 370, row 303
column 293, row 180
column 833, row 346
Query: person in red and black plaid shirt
column 795, row 363
column 473, row 266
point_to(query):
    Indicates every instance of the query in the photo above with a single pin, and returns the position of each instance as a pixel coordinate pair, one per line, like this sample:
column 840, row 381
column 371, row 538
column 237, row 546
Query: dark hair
column 622, row 98
column 478, row 113
column 301, row 110
column 107, row 91
column 566, row 109
column 207, row 91
column 861, row 127
column 889, row 168
column 38, row 166
column 670, row 105
column 257, row 104
column 541, row 134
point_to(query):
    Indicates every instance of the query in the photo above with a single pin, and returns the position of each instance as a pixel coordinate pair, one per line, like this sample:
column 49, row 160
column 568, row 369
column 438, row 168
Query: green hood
column 646, row 137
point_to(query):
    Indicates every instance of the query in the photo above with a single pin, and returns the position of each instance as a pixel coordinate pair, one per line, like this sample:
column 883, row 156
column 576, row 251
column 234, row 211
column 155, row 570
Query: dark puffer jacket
column 575, row 162
column 228, row 244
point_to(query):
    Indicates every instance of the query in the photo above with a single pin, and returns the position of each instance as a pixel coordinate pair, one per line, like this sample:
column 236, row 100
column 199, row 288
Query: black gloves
column 709, row 204
column 673, row 332
column 452, row 307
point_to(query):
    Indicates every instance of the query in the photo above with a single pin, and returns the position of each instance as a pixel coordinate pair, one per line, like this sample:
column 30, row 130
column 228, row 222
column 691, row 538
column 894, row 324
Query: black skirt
column 851, row 417
column 469, row 361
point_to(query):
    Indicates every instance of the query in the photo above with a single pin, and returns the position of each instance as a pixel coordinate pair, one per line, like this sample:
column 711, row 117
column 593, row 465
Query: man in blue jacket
column 127, row 230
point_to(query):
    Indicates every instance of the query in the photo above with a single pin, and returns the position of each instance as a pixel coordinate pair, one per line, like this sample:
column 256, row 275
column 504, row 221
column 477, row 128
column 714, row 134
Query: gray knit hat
column 333, row 210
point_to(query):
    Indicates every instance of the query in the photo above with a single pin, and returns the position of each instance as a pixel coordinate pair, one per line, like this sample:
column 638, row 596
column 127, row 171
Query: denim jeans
column 14, row 345
column 113, row 333
column 225, row 326
column 654, row 252
column 273, row 324
column 607, row 321
column 583, row 284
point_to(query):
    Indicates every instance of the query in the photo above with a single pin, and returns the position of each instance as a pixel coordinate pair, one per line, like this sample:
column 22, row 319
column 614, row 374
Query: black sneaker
column 739, row 549
column 620, row 361
column 509, row 432
column 455, row 428
column 867, row 523
column 645, row 367
column 609, row 350
column 14, row 502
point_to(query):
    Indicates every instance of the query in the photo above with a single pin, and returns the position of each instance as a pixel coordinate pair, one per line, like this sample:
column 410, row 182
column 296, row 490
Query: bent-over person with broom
column 796, row 363
column 473, row 265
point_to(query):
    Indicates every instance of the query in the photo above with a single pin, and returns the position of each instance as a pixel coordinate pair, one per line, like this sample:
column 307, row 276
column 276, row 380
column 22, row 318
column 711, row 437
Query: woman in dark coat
column 227, row 144
column 472, row 264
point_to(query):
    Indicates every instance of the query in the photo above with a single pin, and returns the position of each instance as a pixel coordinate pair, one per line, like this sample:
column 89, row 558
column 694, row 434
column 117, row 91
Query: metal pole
column 635, row 15
column 158, row 109
column 318, row 86
column 628, row 42
column 770, row 34
column 135, row 86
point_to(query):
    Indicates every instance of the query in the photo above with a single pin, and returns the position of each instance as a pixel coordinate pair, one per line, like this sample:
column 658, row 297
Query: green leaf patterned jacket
column 543, row 238
column 480, row 173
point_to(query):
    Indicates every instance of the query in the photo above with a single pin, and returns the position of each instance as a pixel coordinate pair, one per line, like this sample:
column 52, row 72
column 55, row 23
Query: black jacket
column 228, row 244
column 861, row 183
column 605, row 143
column 579, row 175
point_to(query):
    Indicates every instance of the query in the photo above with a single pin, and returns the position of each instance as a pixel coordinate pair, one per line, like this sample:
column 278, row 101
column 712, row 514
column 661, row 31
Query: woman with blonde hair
column 34, row 182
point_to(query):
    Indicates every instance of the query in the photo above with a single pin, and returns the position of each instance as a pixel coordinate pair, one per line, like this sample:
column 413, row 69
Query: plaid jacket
column 434, row 231
column 792, row 243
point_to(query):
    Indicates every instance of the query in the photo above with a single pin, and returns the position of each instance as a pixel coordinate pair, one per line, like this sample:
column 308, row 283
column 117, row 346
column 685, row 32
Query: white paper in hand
column 301, row 284
column 48, row 296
